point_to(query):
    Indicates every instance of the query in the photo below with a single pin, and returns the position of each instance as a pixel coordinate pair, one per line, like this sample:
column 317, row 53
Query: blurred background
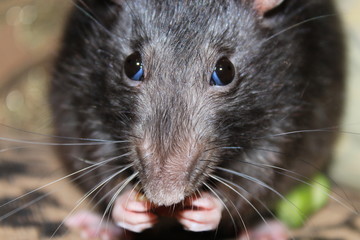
column 29, row 35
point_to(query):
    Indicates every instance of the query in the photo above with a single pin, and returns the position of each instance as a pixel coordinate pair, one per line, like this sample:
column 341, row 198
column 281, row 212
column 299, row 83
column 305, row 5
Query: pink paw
column 91, row 226
column 201, row 213
column 273, row 230
column 133, row 213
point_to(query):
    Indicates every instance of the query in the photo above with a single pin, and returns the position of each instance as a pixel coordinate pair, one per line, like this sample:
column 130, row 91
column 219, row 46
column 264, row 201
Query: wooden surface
column 24, row 170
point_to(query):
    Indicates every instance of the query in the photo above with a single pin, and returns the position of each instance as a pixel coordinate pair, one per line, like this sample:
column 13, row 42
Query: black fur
column 289, row 77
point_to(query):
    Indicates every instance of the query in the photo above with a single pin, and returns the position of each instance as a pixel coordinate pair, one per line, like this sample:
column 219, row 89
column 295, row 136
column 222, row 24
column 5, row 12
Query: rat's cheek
column 133, row 214
column 202, row 213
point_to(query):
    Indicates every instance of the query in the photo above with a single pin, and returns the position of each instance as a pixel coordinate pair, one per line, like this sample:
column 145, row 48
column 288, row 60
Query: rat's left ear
column 263, row 6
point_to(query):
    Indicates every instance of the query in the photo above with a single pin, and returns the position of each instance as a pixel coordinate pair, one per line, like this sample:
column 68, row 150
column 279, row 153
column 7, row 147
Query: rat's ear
column 263, row 6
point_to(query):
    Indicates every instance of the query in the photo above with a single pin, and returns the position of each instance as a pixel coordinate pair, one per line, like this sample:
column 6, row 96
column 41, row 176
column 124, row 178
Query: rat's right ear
column 263, row 6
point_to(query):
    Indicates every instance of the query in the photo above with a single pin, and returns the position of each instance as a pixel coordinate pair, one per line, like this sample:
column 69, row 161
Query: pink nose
column 165, row 190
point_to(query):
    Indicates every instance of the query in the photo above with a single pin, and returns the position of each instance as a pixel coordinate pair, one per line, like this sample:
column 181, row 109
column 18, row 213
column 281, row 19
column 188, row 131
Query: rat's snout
column 171, row 139
column 167, row 174
column 165, row 189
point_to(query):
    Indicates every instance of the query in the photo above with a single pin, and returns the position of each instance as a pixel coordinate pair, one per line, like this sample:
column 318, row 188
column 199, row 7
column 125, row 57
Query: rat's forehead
column 194, row 34
column 187, row 19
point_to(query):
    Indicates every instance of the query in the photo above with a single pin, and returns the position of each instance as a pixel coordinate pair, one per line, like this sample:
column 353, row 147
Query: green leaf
column 303, row 201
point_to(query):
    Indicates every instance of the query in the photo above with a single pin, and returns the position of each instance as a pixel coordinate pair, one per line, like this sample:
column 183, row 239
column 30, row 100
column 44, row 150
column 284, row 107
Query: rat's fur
column 177, row 128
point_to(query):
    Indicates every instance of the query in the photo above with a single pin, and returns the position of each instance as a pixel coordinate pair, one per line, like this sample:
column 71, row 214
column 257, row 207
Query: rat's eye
column 133, row 67
column 223, row 73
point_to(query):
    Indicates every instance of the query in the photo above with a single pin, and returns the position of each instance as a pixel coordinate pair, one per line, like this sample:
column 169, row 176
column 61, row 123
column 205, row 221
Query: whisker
column 237, row 211
column 46, row 185
column 94, row 176
column 111, row 208
column 103, row 198
column 53, row 136
column 254, row 148
column 108, row 179
column 60, row 179
column 306, row 183
column 89, row 162
column 241, row 195
column 223, row 203
column 33, row 201
column 256, row 198
column 232, row 148
column 298, row 24
column 87, row 195
column 91, row 17
column 117, row 193
column 100, row 142
column 127, row 200
column 320, row 130
column 261, row 183
column 3, row 217
column 14, row 149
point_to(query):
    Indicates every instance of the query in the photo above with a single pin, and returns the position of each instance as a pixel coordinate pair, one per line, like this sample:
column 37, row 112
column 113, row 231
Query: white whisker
column 241, row 195
column 351, row 209
column 62, row 178
column 117, row 193
column 80, row 201
column 220, row 179
column 223, row 203
column 54, row 136
column 261, row 183
column 237, row 211
column 24, row 206
column 298, row 24
column 58, row 144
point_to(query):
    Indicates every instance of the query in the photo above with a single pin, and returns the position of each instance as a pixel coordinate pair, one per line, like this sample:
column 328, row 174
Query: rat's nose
column 164, row 193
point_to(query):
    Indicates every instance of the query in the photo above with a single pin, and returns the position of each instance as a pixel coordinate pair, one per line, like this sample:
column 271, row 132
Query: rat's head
column 185, row 66
column 182, row 82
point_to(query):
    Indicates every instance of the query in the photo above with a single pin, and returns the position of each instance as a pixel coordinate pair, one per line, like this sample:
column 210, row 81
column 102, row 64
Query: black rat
column 191, row 109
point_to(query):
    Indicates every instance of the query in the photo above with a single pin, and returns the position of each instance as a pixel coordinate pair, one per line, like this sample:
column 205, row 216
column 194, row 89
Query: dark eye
column 133, row 67
column 223, row 73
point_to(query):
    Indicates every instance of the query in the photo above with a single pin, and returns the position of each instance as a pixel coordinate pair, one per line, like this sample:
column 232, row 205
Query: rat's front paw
column 201, row 213
column 93, row 226
column 133, row 213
